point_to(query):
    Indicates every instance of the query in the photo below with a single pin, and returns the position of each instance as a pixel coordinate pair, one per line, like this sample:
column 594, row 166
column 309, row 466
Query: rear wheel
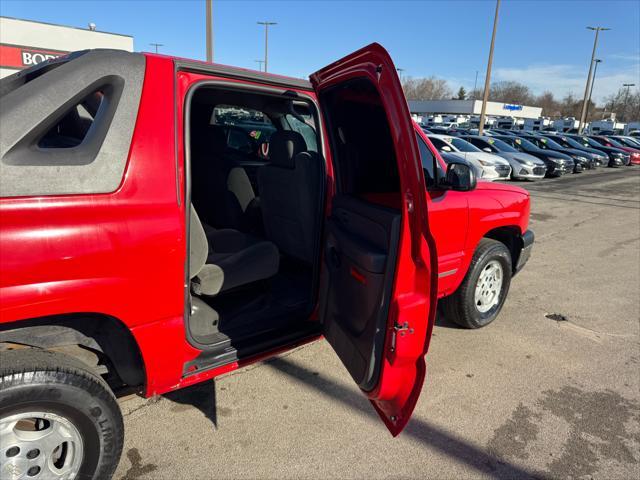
column 57, row 418
column 482, row 293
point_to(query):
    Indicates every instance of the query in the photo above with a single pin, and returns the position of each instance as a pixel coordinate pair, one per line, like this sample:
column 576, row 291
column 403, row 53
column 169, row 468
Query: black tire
column 460, row 306
column 39, row 380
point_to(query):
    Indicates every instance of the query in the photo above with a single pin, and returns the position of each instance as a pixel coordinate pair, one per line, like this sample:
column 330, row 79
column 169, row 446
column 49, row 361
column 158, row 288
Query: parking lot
column 550, row 389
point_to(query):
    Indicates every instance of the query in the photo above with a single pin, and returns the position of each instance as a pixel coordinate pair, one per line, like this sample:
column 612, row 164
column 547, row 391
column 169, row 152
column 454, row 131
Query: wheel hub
column 488, row 287
column 39, row 445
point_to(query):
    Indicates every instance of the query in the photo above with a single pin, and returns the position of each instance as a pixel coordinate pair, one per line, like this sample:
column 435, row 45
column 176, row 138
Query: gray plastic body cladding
column 97, row 167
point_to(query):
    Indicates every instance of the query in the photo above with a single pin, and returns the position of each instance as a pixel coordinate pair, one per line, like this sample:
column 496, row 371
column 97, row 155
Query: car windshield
column 629, row 143
column 526, row 144
column 550, row 143
column 592, row 142
column 501, row 146
column 568, row 141
column 463, row 145
column 614, row 142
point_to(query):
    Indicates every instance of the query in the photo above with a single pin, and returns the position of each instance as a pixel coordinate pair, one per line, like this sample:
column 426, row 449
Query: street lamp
column 156, row 45
column 487, row 79
column 259, row 62
column 266, row 41
column 583, row 114
column 209, row 12
column 626, row 98
column 475, row 85
column 595, row 69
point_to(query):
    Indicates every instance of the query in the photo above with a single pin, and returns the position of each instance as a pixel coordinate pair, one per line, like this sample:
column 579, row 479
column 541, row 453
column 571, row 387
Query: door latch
column 408, row 198
column 399, row 330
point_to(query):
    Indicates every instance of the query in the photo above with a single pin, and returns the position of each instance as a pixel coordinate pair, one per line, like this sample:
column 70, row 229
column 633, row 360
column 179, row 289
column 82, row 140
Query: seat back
column 290, row 195
column 198, row 245
column 220, row 189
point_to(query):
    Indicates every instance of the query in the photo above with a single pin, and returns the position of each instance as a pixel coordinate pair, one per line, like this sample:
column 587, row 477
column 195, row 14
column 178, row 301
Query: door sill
column 228, row 351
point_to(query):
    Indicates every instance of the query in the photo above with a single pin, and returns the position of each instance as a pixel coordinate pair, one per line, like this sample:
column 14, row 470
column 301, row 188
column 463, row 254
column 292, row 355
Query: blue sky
column 543, row 44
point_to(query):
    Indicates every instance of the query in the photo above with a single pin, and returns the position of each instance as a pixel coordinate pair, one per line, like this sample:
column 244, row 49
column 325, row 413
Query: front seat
column 220, row 260
column 290, row 194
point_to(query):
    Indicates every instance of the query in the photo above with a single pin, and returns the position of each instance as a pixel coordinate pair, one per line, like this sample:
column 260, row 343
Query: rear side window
column 303, row 127
column 363, row 148
column 73, row 127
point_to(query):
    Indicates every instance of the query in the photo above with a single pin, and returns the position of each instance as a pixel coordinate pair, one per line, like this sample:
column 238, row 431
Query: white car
column 488, row 166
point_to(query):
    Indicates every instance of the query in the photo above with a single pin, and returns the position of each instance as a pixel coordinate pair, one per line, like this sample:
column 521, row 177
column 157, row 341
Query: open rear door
column 378, row 281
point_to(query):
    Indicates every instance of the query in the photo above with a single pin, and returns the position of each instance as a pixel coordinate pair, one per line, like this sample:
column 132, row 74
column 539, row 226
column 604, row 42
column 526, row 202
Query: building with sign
column 24, row 43
column 426, row 108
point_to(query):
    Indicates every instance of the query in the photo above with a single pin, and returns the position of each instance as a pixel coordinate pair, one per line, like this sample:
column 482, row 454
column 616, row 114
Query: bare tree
column 429, row 88
column 550, row 106
column 625, row 104
column 505, row 92
column 511, row 92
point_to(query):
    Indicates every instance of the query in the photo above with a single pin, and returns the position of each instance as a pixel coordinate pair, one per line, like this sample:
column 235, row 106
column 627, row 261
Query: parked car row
column 500, row 154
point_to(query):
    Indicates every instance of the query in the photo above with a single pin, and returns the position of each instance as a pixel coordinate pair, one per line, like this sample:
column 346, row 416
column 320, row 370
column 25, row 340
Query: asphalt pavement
column 551, row 389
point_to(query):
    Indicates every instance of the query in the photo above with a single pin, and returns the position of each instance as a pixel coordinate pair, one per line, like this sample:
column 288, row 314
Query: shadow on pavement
column 201, row 396
column 417, row 429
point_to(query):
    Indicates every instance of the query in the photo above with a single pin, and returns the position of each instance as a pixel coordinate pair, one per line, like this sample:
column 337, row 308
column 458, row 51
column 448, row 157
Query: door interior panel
column 360, row 255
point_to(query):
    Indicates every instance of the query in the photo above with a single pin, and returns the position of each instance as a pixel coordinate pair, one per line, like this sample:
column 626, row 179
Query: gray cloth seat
column 224, row 259
column 290, row 193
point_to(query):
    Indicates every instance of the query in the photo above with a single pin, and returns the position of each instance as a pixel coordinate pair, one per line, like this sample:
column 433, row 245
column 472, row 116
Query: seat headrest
column 284, row 145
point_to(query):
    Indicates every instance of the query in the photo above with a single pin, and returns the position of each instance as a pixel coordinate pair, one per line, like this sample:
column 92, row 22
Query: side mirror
column 460, row 177
column 487, row 149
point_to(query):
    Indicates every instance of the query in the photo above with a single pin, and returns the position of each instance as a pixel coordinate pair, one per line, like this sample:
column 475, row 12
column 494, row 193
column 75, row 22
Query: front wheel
column 57, row 419
column 481, row 295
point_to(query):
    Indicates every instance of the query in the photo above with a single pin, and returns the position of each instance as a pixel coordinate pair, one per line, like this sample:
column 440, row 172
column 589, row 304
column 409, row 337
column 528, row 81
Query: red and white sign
column 19, row 56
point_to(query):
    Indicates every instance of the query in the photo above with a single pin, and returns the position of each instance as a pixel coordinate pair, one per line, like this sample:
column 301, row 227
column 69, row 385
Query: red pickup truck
column 165, row 221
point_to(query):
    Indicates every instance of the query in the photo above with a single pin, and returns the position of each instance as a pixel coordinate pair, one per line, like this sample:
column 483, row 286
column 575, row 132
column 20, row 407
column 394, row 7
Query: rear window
column 246, row 129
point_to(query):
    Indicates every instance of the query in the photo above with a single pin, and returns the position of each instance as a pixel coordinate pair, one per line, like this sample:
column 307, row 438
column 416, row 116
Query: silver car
column 490, row 167
column 523, row 165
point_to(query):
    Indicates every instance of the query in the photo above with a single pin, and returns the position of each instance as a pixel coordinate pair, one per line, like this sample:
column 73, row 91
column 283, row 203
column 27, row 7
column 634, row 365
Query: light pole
column 583, row 113
column 626, row 99
column 487, row 80
column 593, row 81
column 475, row 85
column 400, row 70
column 156, row 45
column 209, row 14
column 259, row 62
column 266, row 41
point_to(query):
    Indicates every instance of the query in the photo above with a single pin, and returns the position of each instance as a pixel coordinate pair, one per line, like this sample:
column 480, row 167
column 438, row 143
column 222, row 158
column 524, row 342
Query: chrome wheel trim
column 488, row 287
column 51, row 448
